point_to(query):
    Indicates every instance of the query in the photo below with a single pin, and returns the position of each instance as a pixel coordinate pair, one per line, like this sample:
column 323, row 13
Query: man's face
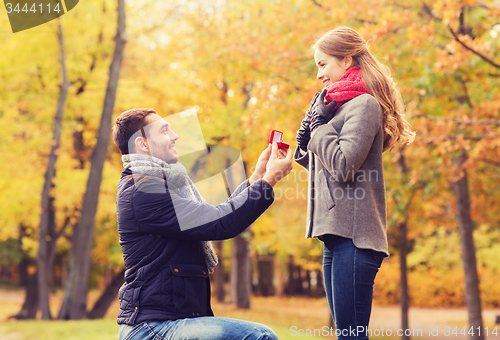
column 161, row 139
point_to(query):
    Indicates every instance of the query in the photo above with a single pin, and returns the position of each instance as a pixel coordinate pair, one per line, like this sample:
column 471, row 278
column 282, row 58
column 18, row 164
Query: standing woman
column 358, row 115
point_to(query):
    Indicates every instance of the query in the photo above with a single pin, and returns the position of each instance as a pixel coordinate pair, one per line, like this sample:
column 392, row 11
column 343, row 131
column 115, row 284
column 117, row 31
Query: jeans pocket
column 127, row 332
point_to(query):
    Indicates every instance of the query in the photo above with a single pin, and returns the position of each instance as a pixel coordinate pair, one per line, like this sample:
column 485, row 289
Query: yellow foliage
column 433, row 287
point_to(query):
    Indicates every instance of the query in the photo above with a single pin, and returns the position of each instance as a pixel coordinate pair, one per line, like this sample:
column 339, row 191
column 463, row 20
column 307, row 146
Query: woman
column 358, row 115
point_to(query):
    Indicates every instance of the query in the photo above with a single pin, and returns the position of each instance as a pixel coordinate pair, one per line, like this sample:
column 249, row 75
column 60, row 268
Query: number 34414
column 33, row 9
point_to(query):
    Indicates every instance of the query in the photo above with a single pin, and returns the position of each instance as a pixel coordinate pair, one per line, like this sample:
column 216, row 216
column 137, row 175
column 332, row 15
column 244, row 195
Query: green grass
column 279, row 314
column 84, row 330
column 54, row 330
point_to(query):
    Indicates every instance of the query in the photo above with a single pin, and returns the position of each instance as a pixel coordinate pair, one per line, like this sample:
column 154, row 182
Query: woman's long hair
column 344, row 41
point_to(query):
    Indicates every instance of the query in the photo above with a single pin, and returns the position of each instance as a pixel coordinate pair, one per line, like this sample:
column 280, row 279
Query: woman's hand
column 304, row 133
column 322, row 113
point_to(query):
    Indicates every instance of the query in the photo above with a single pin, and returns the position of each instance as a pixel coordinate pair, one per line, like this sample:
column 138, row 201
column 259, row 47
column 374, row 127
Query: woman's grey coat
column 346, row 182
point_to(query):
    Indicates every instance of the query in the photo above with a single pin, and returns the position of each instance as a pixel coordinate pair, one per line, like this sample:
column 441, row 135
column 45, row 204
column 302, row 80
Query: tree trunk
column 75, row 298
column 320, row 285
column 295, row 280
column 219, row 273
column 290, row 282
column 404, row 302
column 47, row 226
column 280, row 286
column 23, row 272
column 23, row 265
column 30, row 305
column 307, row 279
column 241, row 272
column 265, row 266
column 403, row 253
column 298, row 288
column 465, row 228
column 107, row 297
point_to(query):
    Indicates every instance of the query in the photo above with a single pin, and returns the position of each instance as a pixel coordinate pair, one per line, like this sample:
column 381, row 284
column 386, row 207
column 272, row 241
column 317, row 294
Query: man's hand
column 304, row 133
column 322, row 113
column 277, row 168
column 260, row 167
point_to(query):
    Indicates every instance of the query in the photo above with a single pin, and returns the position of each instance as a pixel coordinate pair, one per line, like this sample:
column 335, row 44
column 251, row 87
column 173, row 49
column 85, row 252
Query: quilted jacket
column 166, row 277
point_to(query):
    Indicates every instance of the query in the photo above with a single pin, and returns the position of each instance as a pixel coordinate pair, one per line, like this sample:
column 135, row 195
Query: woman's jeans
column 349, row 275
column 203, row 328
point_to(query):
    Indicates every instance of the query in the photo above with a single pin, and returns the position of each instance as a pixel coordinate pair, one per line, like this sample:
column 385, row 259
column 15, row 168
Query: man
column 166, row 293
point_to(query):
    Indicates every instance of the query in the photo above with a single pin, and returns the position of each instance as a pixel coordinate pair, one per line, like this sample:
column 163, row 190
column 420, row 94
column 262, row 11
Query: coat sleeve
column 301, row 157
column 342, row 154
column 164, row 212
column 239, row 189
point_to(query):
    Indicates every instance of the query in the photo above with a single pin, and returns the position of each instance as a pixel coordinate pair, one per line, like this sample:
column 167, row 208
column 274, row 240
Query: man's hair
column 126, row 125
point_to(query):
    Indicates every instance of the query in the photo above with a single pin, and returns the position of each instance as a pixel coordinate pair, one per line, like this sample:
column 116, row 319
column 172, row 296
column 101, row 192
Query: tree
column 107, row 297
column 465, row 228
column 48, row 237
column 450, row 96
column 241, row 271
column 75, row 298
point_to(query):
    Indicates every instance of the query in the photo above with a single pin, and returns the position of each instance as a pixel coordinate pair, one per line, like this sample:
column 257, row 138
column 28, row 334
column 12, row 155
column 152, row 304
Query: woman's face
column 330, row 69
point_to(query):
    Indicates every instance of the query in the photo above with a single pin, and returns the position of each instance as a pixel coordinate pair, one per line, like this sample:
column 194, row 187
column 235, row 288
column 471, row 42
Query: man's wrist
column 254, row 178
column 269, row 180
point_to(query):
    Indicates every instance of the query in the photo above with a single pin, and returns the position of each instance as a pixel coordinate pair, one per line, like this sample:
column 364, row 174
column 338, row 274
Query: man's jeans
column 349, row 275
column 203, row 328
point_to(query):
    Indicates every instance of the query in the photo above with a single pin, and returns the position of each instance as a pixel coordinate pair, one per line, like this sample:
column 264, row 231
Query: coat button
column 158, row 235
column 197, row 314
column 176, row 270
column 204, row 272
column 193, row 314
column 135, row 309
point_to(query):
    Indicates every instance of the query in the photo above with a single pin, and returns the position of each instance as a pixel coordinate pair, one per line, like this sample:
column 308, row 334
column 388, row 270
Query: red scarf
column 349, row 86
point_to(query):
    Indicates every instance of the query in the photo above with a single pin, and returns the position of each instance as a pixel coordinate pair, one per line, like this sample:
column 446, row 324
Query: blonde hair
column 343, row 42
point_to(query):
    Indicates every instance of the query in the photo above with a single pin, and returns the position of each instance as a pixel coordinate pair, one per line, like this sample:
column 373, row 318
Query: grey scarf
column 175, row 174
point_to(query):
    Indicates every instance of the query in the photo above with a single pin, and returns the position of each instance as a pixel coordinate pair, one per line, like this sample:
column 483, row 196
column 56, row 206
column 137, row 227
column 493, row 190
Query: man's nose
column 173, row 135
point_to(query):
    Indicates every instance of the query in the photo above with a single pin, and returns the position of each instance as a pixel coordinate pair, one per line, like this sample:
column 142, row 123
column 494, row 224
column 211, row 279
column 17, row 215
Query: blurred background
column 245, row 68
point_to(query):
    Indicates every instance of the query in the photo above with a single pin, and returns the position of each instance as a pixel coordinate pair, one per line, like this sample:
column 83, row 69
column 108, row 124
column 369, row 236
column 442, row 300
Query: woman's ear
column 347, row 62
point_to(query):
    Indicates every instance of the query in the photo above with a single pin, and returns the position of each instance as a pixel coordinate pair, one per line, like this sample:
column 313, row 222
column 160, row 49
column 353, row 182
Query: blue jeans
column 206, row 328
column 349, row 275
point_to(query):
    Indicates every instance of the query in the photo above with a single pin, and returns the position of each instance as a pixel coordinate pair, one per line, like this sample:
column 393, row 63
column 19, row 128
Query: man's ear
column 141, row 145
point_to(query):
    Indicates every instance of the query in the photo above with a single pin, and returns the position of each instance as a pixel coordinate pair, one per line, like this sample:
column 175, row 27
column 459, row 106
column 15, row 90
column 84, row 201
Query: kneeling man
column 165, row 230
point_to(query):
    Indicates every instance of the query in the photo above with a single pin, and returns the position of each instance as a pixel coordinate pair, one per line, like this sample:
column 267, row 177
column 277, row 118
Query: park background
column 246, row 68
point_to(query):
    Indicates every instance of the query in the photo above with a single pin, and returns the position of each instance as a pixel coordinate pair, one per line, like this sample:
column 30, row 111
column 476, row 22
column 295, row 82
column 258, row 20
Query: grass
column 104, row 329
column 279, row 314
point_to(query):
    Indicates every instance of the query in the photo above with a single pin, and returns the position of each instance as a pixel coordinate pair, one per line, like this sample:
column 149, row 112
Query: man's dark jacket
column 166, row 276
